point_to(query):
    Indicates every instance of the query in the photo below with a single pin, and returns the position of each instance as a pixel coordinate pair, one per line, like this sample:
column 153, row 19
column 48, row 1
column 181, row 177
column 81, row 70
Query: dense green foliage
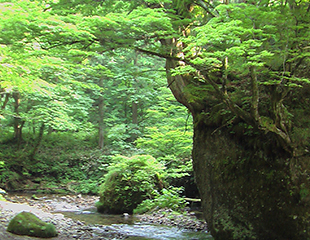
column 167, row 198
column 97, row 67
column 129, row 181
column 71, row 161
column 59, row 100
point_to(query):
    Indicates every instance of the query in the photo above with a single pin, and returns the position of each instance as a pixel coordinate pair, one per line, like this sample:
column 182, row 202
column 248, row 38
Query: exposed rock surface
column 67, row 228
column 26, row 223
column 168, row 218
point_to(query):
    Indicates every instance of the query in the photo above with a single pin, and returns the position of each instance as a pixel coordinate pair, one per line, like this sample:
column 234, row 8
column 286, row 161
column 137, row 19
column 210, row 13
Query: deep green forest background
column 87, row 105
column 56, row 139
column 67, row 114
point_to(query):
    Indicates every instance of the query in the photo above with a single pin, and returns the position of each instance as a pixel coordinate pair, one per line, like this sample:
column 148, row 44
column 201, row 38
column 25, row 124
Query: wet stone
column 68, row 228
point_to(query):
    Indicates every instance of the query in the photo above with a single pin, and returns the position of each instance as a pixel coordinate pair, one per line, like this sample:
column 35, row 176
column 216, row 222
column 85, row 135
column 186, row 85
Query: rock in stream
column 48, row 209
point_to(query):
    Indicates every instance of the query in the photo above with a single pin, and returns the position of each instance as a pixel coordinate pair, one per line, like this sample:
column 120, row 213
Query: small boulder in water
column 26, row 223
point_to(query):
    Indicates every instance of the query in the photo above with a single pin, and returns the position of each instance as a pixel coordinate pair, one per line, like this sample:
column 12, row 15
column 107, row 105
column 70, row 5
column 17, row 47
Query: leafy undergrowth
column 65, row 162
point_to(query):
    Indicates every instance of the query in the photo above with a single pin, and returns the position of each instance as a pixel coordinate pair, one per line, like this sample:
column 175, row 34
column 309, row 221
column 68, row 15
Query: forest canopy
column 239, row 67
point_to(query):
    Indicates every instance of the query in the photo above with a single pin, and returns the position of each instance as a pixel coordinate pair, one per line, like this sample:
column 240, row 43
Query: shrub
column 129, row 181
column 168, row 198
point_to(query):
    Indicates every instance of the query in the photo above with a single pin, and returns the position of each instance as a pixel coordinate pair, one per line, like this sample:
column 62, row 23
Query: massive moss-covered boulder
column 26, row 223
column 250, row 193
column 129, row 181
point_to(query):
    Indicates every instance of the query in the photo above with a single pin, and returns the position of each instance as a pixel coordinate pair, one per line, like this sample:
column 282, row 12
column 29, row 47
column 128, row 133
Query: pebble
column 167, row 217
column 74, row 229
column 67, row 228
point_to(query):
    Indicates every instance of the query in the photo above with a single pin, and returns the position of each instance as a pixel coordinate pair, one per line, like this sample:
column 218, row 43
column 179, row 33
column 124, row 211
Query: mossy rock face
column 26, row 223
column 250, row 188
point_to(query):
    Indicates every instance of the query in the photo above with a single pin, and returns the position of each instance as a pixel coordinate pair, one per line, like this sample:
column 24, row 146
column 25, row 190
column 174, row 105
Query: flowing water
column 128, row 225
column 135, row 229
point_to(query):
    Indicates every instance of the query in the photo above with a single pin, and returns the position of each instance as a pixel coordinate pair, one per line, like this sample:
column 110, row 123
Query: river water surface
column 135, row 229
column 128, row 225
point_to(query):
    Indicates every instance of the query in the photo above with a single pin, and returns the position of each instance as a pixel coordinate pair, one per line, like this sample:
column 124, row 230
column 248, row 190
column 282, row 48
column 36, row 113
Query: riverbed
column 75, row 217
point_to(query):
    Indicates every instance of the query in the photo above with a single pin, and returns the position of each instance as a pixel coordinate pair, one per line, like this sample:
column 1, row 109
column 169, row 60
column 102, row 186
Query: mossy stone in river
column 26, row 223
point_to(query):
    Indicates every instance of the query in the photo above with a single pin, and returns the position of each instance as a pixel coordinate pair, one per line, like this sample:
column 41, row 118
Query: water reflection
column 128, row 225
column 91, row 216
column 136, row 230
column 144, row 231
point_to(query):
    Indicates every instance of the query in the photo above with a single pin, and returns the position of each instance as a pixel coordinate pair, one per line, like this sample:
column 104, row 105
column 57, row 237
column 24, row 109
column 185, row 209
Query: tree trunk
column 101, row 122
column 101, row 118
column 39, row 139
column 6, row 100
column 134, row 104
column 250, row 185
column 18, row 123
column 134, row 109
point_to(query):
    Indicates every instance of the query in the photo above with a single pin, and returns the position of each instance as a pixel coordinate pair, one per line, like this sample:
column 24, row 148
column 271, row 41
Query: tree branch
column 7, row 96
column 204, row 4
column 161, row 55
column 255, row 94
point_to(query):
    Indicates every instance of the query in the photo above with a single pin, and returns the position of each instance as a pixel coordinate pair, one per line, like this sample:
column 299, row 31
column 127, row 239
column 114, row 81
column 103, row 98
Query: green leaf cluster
column 168, row 198
column 129, row 181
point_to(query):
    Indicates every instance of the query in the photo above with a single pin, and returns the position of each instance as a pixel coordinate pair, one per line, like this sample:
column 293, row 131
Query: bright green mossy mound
column 26, row 223
column 129, row 181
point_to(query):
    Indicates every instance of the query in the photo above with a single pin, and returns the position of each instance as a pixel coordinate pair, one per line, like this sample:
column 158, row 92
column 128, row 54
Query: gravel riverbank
column 46, row 209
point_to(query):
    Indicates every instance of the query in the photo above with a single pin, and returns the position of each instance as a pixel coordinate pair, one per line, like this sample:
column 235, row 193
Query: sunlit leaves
column 170, row 134
column 246, row 36
column 47, row 81
column 152, row 21
column 181, row 70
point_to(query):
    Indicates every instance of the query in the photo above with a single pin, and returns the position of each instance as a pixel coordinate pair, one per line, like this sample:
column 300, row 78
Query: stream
column 132, row 227
column 81, row 209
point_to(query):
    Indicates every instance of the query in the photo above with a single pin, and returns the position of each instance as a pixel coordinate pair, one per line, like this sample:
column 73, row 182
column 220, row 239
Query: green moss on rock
column 129, row 182
column 26, row 223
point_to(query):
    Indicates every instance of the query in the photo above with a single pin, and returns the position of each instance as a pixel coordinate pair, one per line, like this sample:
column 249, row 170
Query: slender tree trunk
column 6, row 100
column 101, row 117
column 134, row 109
column 18, row 123
column 101, row 122
column 33, row 127
column 49, row 130
column 38, row 142
column 134, row 104
column 125, row 111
